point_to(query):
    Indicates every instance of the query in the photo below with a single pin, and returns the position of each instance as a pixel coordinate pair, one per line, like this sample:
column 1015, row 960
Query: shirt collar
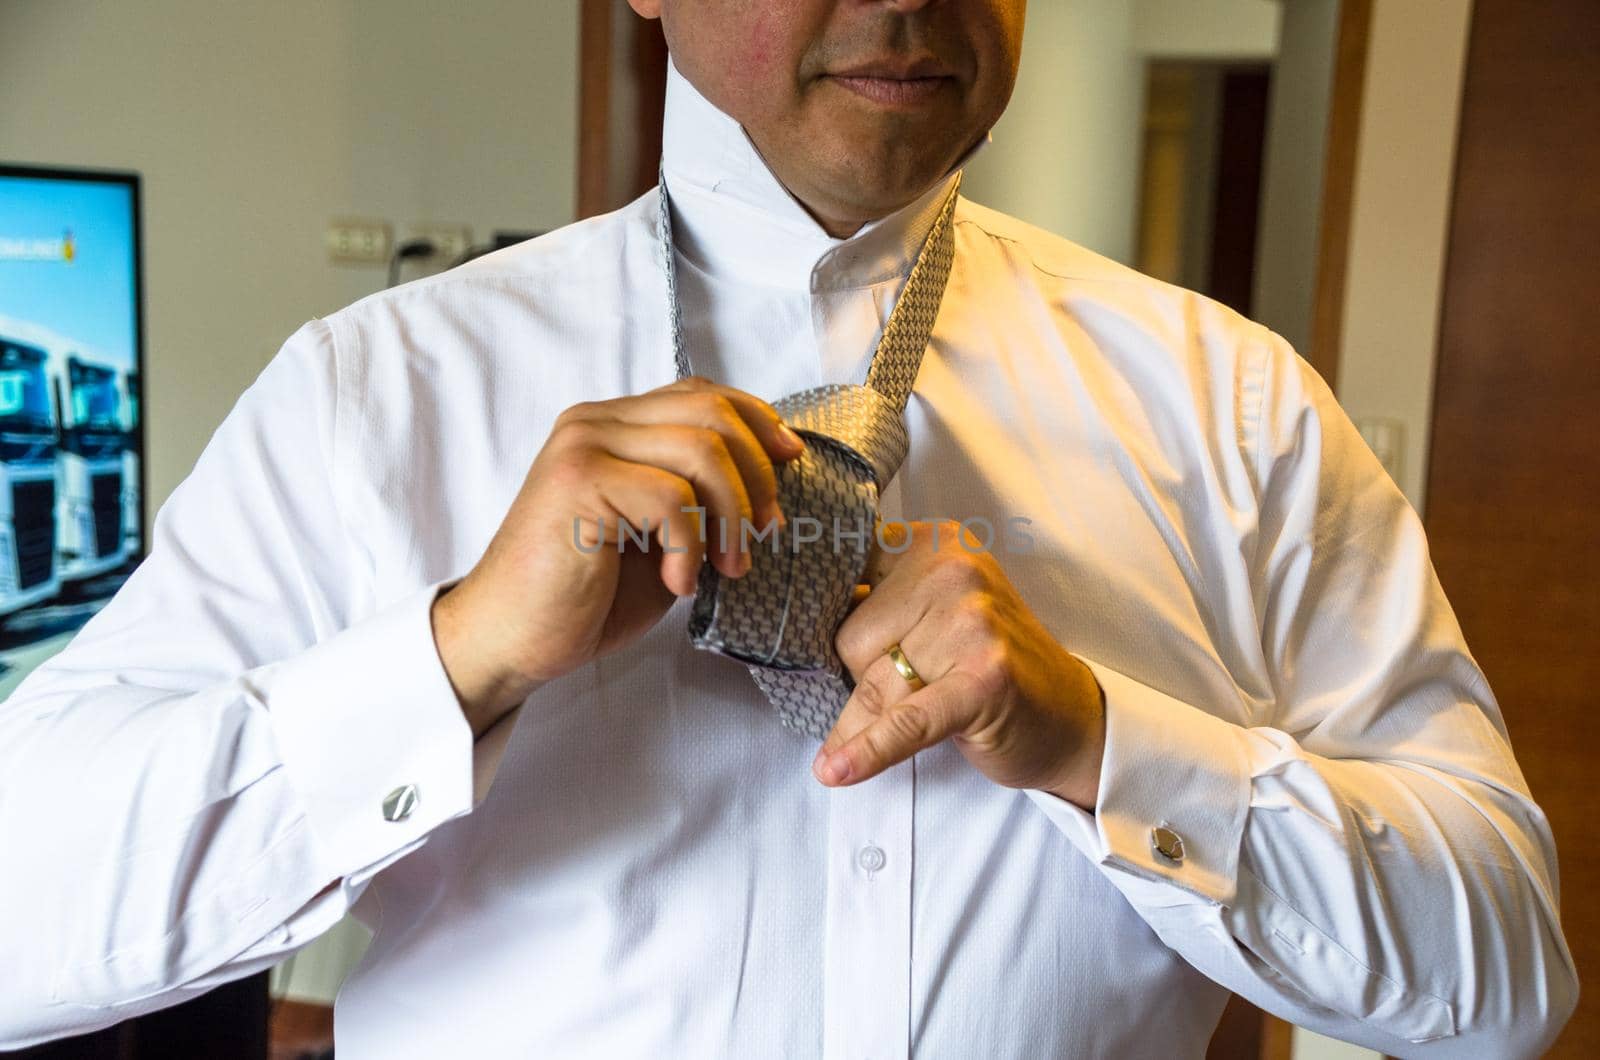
column 733, row 218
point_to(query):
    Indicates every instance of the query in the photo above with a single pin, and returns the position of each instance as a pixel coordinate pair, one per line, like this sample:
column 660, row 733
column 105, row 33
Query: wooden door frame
column 595, row 29
column 1338, row 187
column 621, row 76
column 1512, row 470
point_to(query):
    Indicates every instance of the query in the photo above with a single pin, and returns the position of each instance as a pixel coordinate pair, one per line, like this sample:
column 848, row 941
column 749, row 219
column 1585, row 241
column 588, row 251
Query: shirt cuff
column 372, row 736
column 1171, row 766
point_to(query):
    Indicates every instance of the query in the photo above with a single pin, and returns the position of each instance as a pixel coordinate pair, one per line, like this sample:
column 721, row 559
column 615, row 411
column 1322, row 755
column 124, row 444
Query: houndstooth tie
column 781, row 616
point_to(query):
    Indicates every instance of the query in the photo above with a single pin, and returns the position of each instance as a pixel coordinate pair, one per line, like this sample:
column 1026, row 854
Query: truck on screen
column 29, row 437
column 90, row 472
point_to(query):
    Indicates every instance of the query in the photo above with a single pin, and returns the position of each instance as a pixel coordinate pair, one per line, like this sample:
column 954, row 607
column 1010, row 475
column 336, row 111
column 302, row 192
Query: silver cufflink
column 400, row 802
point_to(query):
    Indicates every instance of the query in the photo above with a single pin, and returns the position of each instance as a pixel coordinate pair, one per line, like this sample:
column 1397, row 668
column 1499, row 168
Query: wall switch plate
column 357, row 242
column 450, row 241
column 1386, row 438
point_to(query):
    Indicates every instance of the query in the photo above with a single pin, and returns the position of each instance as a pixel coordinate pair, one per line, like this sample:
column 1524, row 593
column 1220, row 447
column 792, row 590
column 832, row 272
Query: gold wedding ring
column 903, row 664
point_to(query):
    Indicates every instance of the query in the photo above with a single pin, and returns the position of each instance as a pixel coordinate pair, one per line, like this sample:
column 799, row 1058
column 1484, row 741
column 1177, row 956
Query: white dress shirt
column 640, row 863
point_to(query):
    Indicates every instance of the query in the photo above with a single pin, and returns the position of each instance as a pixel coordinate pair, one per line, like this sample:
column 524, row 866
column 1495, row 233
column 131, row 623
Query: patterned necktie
column 780, row 618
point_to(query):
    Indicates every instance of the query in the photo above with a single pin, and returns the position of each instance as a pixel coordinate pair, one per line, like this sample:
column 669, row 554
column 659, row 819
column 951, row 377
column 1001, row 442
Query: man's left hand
column 1019, row 706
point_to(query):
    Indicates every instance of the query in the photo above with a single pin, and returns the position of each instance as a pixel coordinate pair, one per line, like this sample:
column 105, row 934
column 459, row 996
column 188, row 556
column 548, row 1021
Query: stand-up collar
column 733, row 218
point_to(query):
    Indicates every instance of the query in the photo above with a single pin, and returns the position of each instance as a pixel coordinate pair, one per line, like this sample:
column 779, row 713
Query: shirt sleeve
column 197, row 784
column 1364, row 858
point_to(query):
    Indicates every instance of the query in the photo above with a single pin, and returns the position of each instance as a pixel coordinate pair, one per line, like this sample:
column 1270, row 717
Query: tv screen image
column 71, row 428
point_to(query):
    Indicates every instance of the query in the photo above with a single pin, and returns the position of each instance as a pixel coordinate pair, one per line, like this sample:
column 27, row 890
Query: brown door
column 1514, row 484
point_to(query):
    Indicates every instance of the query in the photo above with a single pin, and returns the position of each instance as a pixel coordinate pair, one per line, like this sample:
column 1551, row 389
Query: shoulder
column 1177, row 355
column 1046, row 252
column 1086, row 284
column 520, row 317
column 534, row 277
column 1115, row 306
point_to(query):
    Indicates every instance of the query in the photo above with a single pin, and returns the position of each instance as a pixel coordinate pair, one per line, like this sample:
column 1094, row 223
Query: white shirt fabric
column 653, row 870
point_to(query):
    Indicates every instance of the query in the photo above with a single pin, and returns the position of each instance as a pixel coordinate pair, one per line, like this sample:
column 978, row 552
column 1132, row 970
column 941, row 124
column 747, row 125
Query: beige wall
column 1065, row 156
column 254, row 124
column 469, row 111
column 1405, row 173
column 1205, row 29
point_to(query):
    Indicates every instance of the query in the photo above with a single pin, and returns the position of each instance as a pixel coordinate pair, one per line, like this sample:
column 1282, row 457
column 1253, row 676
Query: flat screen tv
column 71, row 418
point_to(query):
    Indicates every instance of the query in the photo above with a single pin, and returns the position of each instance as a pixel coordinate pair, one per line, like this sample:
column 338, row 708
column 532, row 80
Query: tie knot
column 858, row 419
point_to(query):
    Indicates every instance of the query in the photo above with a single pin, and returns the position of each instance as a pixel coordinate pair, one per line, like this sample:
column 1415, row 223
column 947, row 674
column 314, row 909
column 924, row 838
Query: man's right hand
column 552, row 591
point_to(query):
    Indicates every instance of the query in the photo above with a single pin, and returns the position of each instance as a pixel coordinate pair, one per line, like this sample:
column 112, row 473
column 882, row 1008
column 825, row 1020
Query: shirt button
column 400, row 802
column 1167, row 843
column 871, row 858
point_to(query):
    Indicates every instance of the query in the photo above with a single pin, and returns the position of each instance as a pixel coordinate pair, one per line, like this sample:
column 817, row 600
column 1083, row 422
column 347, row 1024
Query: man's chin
column 862, row 167
column 863, row 201
column 881, row 186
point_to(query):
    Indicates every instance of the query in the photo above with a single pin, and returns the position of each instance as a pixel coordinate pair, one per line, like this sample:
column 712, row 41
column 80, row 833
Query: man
column 1213, row 729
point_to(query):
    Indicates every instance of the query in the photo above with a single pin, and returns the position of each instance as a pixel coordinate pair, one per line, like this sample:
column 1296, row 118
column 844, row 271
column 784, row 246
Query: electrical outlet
column 358, row 242
column 1386, row 438
column 450, row 241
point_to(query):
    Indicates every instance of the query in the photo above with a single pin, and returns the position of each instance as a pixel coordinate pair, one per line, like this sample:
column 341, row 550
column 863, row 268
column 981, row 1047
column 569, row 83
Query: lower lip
column 893, row 92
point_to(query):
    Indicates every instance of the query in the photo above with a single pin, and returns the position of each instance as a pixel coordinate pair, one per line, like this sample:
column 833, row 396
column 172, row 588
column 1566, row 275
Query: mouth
column 895, row 83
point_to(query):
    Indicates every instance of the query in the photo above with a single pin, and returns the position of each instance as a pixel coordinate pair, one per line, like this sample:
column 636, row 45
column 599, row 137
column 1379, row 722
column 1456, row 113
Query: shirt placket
column 867, row 966
column 867, row 962
column 867, row 995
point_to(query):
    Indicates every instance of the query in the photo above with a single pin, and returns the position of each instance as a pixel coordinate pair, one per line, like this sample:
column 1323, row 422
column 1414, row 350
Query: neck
column 827, row 217
column 836, row 229
column 830, row 221
column 835, row 217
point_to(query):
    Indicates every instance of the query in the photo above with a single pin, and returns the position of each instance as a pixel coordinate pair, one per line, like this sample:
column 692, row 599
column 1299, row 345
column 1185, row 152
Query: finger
column 762, row 419
column 924, row 718
column 882, row 616
column 855, row 716
column 889, row 546
column 880, row 686
column 701, row 456
column 649, row 497
column 755, row 434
